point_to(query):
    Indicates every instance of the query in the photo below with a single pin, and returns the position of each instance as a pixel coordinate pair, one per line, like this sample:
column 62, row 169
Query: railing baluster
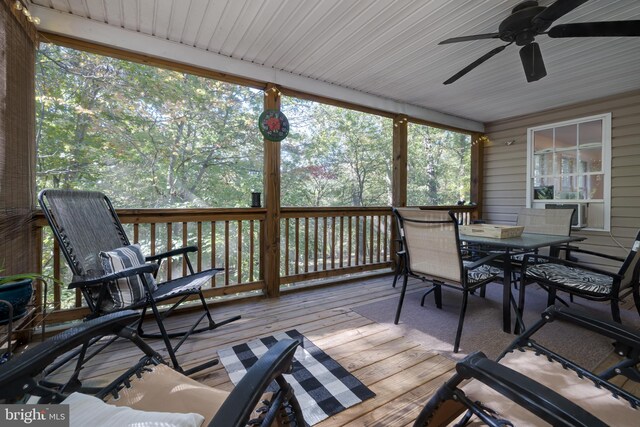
column 199, row 243
column 297, row 263
column 153, row 238
column 333, row 242
column 239, row 275
column 324, row 243
column 315, row 244
column 378, row 237
column 185, row 242
column 341, row 241
column 251, row 249
column 169, row 247
column 388, row 222
column 213, row 252
column 306, row 244
column 357, row 237
column 349, row 245
column 286, row 246
column 226, row 253
column 136, row 233
column 371, row 240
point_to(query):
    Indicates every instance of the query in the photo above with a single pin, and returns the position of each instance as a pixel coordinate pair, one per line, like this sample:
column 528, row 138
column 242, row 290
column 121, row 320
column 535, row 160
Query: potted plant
column 17, row 290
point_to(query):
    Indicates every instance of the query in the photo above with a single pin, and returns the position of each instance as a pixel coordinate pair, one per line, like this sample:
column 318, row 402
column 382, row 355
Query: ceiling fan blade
column 475, row 63
column 470, row 38
column 532, row 62
column 544, row 19
column 597, row 29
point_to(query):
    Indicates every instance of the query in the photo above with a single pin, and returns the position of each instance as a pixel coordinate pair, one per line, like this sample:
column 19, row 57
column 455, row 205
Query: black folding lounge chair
column 149, row 393
column 112, row 274
column 532, row 385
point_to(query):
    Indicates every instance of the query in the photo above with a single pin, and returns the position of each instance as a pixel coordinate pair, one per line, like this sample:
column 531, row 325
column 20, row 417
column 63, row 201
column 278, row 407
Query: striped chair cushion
column 482, row 272
column 572, row 277
column 129, row 290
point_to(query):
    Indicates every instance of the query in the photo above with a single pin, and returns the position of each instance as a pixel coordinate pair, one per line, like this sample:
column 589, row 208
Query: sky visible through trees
column 155, row 138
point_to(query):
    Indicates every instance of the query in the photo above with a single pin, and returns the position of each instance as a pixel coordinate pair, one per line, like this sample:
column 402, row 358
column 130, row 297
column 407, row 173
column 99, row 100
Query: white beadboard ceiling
column 379, row 53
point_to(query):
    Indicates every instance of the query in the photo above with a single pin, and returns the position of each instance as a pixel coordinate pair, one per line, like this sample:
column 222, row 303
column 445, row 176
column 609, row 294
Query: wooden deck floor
column 402, row 373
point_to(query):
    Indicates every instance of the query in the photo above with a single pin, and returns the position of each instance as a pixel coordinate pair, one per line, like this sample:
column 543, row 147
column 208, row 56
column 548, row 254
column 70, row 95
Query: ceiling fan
column 528, row 20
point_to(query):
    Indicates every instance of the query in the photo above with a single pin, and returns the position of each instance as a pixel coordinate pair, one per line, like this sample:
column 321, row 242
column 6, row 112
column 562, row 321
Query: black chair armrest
column 527, row 257
column 535, row 397
column 588, row 252
column 17, row 375
column 173, row 252
column 127, row 272
column 613, row 330
column 237, row 408
column 483, row 260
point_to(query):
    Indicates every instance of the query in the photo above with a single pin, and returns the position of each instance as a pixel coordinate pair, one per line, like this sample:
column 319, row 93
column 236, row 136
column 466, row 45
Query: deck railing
column 315, row 243
column 324, row 242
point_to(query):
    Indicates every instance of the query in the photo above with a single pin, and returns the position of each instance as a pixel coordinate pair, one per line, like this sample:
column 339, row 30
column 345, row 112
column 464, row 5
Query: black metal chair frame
column 437, row 284
column 545, row 403
column 26, row 375
column 89, row 281
column 614, row 296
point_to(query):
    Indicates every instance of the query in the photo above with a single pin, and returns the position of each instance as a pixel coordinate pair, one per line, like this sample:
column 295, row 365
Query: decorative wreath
column 274, row 125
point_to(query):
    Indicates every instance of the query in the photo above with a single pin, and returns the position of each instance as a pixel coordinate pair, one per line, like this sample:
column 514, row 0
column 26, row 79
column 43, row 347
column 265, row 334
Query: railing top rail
column 129, row 216
column 138, row 215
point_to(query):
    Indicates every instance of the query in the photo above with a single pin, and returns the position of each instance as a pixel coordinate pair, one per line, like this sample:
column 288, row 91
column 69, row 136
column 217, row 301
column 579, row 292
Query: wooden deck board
column 402, row 373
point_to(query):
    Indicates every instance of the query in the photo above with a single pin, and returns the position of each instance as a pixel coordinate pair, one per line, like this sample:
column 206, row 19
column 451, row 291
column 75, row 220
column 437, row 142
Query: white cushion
column 85, row 410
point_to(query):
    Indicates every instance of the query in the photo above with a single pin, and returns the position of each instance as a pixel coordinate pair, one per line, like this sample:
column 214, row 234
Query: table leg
column 506, row 293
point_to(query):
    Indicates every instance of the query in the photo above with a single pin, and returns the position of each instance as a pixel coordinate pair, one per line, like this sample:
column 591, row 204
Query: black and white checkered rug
column 322, row 386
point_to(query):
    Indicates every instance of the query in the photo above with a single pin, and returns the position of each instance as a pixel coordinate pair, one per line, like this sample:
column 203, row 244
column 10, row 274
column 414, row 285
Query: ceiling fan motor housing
column 518, row 27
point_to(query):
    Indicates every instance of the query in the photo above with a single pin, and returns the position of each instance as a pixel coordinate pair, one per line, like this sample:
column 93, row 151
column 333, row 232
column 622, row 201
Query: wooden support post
column 477, row 172
column 399, row 179
column 271, row 174
column 399, row 182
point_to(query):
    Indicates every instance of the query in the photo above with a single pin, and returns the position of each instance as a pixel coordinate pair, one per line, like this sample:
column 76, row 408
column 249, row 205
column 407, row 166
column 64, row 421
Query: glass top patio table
column 525, row 243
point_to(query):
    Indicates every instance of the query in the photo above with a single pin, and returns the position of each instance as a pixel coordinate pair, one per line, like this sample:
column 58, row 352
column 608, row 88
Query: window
column 569, row 165
column 438, row 166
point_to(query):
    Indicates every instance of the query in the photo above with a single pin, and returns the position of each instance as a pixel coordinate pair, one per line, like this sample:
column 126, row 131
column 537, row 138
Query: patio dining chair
column 433, row 254
column 113, row 275
column 149, row 393
column 539, row 221
column 587, row 281
column 543, row 221
column 531, row 385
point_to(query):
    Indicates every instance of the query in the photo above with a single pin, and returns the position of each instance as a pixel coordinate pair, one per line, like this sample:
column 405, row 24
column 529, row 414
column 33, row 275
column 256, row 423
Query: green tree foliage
column 439, row 166
column 151, row 137
column 148, row 137
column 335, row 156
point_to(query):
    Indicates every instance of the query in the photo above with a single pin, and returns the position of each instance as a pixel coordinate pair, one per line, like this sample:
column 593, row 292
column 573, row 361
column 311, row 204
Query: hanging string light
column 20, row 6
column 274, row 90
column 401, row 121
column 483, row 139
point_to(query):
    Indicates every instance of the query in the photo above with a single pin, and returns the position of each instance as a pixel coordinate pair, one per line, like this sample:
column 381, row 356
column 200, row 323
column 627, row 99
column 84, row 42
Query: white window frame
column 606, row 161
